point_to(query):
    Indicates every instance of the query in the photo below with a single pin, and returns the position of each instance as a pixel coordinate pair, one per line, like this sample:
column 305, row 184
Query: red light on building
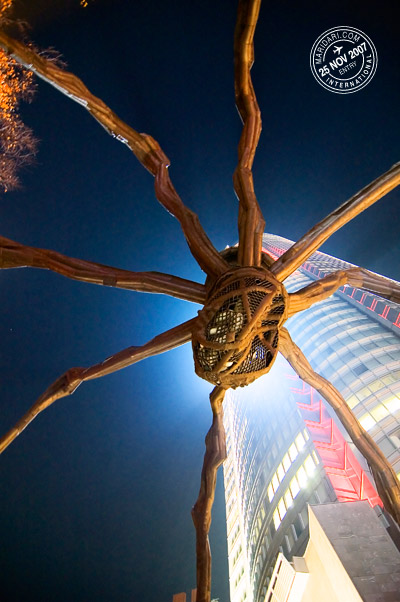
column 348, row 479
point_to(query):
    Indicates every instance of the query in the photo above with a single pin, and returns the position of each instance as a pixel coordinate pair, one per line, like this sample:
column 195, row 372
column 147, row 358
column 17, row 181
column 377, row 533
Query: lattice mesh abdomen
column 228, row 321
column 236, row 335
column 258, row 358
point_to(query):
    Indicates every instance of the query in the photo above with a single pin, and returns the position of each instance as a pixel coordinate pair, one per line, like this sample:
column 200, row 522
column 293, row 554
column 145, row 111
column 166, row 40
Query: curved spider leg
column 250, row 221
column 374, row 283
column 314, row 238
column 16, row 255
column 67, row 383
column 387, row 483
column 358, row 277
column 143, row 146
column 214, row 456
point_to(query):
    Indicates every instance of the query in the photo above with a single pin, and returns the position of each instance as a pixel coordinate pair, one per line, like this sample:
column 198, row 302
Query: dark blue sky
column 96, row 493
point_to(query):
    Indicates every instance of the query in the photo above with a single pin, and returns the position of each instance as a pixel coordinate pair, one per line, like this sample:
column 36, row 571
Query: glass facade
column 352, row 339
column 271, row 473
column 285, row 447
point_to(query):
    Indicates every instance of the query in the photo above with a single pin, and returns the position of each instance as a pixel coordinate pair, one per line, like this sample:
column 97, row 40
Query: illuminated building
column 350, row 557
column 285, row 446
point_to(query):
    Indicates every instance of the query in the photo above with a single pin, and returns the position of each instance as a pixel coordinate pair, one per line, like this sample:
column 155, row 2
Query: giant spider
column 240, row 330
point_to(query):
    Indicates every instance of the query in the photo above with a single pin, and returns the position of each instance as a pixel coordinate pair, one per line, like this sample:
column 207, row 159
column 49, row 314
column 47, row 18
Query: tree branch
column 314, row 238
column 144, row 147
column 67, row 383
column 214, row 456
column 16, row 255
column 251, row 221
column 387, row 483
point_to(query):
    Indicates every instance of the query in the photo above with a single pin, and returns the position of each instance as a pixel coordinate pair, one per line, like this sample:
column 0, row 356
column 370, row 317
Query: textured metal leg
column 387, row 483
column 214, row 456
column 70, row 381
column 374, row 283
column 317, row 291
column 325, row 287
column 16, row 255
column 144, row 147
column 251, row 221
column 310, row 242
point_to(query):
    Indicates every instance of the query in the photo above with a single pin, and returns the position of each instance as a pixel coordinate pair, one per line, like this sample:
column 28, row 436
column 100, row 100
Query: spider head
column 235, row 338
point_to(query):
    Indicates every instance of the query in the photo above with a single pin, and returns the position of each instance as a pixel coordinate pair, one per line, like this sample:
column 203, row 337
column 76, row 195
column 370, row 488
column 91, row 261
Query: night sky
column 96, row 494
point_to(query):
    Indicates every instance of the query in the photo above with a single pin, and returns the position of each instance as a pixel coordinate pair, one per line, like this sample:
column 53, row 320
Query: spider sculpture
column 240, row 330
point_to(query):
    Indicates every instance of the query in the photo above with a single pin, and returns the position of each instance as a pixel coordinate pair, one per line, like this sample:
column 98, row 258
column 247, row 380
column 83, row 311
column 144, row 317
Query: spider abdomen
column 236, row 334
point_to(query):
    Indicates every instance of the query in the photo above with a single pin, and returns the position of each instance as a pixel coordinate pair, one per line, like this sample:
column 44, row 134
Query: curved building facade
column 285, row 446
column 272, row 472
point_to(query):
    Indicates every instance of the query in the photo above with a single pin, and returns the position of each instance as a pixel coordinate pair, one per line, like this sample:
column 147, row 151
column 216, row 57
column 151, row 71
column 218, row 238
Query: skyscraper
column 350, row 557
column 285, row 446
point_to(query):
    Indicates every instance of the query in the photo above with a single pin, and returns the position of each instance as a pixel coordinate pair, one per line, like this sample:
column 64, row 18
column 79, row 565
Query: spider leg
column 387, row 483
column 143, row 146
column 314, row 238
column 374, row 283
column 214, row 456
column 67, row 383
column 251, row 221
column 16, row 255
column 358, row 277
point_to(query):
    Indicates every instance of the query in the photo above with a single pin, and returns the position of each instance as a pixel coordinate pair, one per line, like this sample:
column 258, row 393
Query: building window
column 302, row 477
column 304, row 516
column 309, row 465
column 300, row 442
column 294, row 487
column 288, row 499
column 286, row 462
column 367, row 421
column 293, row 453
column 392, row 404
column 281, row 509
column 386, row 446
column 379, row 412
column 298, row 526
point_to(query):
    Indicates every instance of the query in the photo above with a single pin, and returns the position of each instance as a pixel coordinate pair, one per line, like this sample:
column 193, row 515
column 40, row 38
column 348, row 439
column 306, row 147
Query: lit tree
column 18, row 145
column 240, row 330
column 17, row 142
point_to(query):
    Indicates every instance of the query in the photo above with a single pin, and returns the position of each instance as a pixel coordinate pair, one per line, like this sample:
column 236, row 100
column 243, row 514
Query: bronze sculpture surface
column 241, row 328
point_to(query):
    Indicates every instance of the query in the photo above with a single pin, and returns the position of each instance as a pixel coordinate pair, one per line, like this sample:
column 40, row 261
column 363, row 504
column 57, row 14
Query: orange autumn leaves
column 4, row 6
column 17, row 143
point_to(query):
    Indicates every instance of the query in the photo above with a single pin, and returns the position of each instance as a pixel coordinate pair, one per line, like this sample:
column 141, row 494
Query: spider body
column 239, row 331
column 235, row 339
